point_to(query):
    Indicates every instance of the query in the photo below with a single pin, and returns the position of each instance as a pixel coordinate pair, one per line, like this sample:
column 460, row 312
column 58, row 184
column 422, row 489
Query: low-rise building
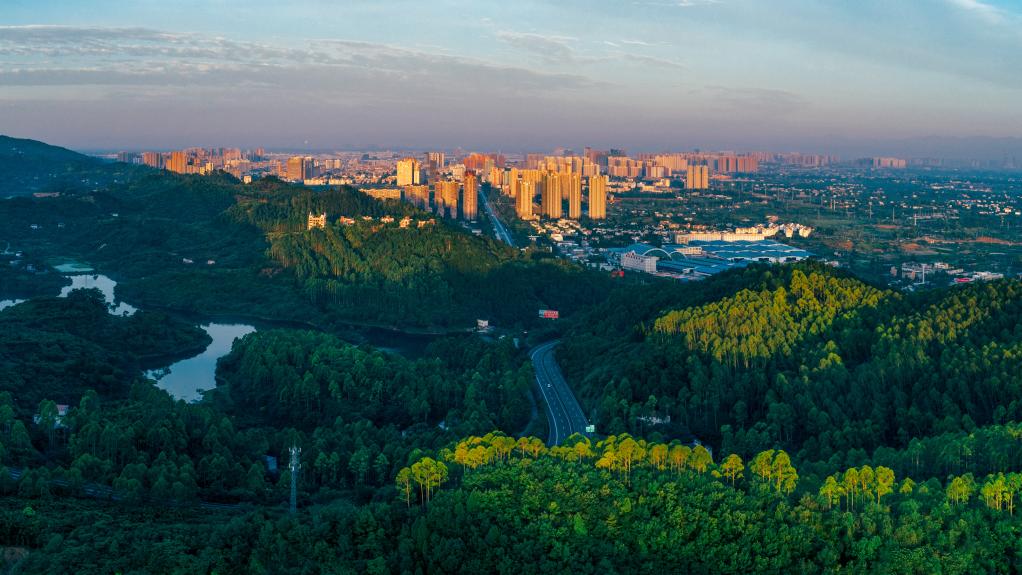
column 643, row 263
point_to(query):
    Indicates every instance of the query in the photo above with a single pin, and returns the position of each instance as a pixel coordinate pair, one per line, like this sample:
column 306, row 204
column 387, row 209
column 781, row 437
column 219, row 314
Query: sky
column 513, row 75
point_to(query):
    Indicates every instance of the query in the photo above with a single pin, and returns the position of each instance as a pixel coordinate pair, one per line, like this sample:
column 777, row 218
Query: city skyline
column 647, row 76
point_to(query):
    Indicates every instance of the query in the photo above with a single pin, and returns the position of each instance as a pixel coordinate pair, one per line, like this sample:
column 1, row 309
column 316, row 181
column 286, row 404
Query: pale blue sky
column 515, row 74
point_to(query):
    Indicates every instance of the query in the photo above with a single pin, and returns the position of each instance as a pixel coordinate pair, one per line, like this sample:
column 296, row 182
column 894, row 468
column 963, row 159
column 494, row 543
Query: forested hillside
column 57, row 348
column 840, row 459
column 212, row 245
column 429, row 272
column 824, row 366
column 492, row 504
column 30, row 166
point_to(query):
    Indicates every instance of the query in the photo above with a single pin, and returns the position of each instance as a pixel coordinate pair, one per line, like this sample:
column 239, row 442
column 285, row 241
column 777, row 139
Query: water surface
column 105, row 285
column 186, row 379
column 6, row 303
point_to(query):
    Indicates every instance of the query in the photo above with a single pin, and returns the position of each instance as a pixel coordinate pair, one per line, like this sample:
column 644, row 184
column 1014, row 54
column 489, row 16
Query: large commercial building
column 551, row 194
column 409, row 172
column 470, row 196
column 597, row 197
column 698, row 259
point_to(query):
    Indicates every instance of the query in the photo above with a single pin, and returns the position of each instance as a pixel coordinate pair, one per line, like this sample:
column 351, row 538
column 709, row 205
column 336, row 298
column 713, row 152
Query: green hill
column 821, row 364
column 30, row 166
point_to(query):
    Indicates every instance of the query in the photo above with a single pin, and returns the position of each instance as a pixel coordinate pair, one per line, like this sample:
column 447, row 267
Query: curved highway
column 563, row 411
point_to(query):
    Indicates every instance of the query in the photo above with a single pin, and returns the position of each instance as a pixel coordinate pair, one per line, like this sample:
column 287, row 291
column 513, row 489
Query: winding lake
column 186, row 379
column 105, row 285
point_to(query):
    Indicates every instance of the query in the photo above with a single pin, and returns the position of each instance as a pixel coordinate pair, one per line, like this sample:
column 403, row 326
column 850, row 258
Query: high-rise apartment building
column 409, row 172
column 435, row 163
column 551, row 195
column 597, row 197
column 296, row 169
column 436, row 160
column 470, row 196
column 479, row 162
column 571, row 184
column 445, row 198
column 178, row 162
column 895, row 163
column 152, row 159
column 512, row 183
column 526, row 191
column 418, row 196
column 495, row 177
column 697, row 178
column 675, row 163
column 624, row 167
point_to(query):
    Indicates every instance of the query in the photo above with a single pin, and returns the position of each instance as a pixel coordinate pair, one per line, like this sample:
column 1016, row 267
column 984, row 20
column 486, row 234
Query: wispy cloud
column 548, row 47
column 652, row 61
column 61, row 55
column 205, row 87
column 692, row 3
column 677, row 3
column 987, row 12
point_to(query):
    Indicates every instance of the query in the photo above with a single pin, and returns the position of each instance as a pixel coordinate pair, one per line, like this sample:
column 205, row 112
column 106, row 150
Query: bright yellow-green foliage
column 855, row 484
column 620, row 454
column 752, row 326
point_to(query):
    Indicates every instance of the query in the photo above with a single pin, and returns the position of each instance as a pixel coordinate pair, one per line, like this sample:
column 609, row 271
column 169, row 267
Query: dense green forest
column 56, row 348
column 800, row 357
column 493, row 504
column 387, row 486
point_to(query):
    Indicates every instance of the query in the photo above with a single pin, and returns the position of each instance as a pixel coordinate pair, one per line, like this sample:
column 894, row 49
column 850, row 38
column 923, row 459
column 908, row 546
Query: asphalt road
column 564, row 414
column 498, row 228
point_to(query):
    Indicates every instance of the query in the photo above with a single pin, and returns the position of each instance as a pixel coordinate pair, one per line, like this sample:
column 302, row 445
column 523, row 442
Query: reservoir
column 186, row 379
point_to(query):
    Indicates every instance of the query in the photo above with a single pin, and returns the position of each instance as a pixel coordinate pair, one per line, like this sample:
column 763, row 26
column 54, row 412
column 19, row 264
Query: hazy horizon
column 934, row 78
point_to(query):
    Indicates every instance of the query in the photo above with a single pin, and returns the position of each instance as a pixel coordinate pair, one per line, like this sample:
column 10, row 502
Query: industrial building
column 698, row 259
